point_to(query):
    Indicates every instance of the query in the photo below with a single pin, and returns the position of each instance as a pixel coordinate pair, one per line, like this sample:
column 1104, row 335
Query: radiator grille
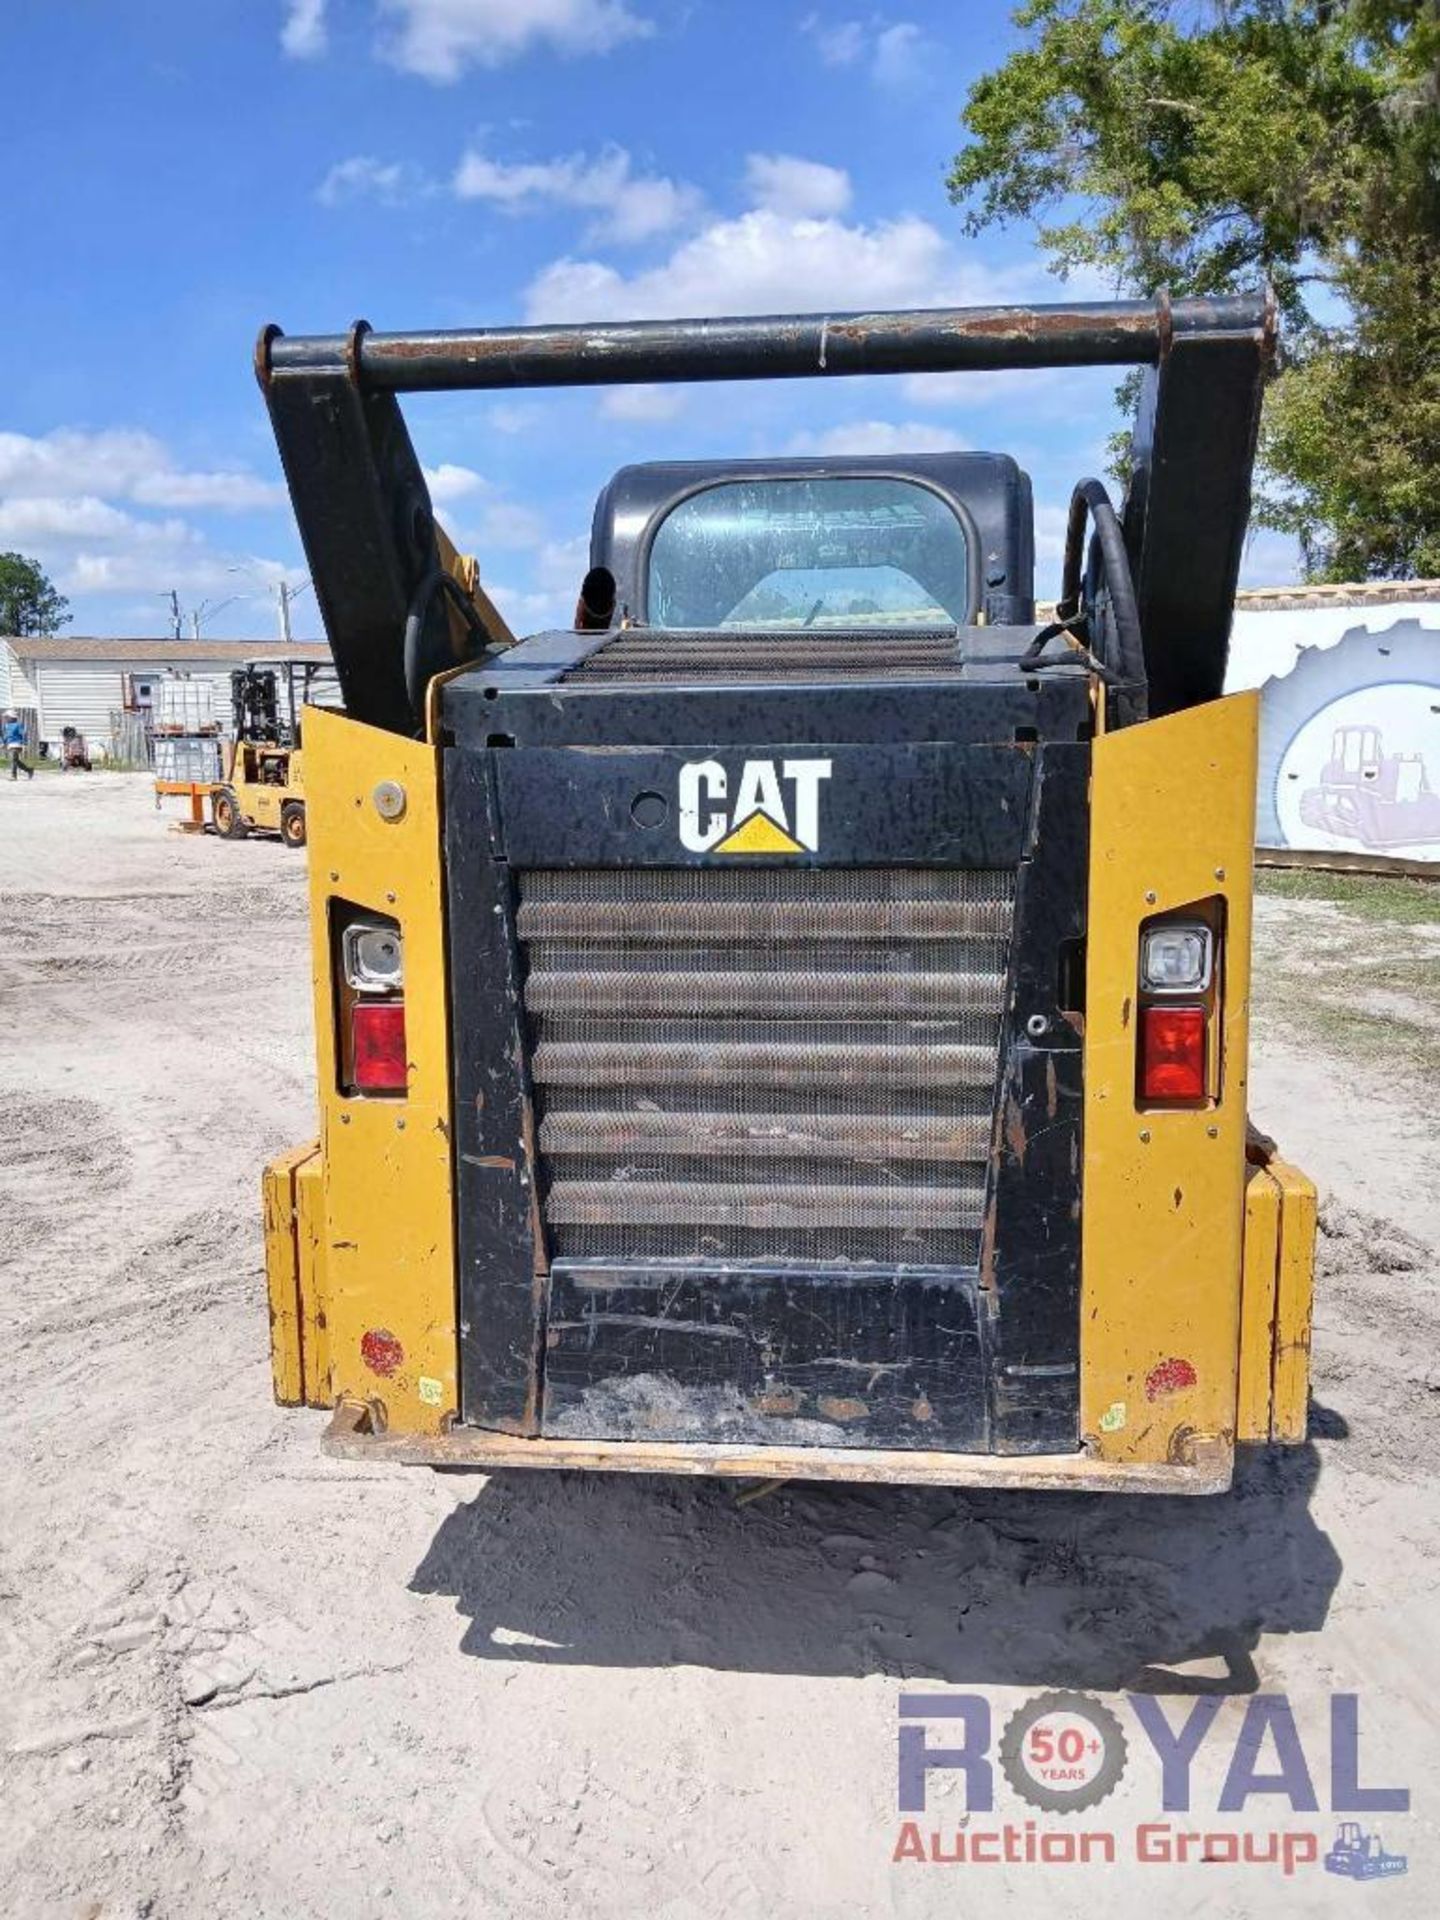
column 762, row 1065
column 751, row 656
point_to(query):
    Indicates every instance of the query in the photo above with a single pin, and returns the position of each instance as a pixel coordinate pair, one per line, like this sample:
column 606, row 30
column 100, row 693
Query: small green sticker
column 431, row 1391
column 1111, row 1420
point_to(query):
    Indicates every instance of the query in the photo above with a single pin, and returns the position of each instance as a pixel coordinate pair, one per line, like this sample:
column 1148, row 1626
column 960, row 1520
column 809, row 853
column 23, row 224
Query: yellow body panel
column 311, row 1259
column 1278, row 1289
column 1172, row 822
column 1294, row 1295
column 386, row 1238
column 1257, row 1305
column 282, row 1275
column 294, row 1196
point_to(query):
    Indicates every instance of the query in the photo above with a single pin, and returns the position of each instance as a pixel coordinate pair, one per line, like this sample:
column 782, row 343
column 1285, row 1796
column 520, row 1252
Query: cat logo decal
column 774, row 808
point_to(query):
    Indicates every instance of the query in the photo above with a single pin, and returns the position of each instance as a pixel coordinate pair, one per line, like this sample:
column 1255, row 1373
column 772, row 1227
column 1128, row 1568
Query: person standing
column 15, row 746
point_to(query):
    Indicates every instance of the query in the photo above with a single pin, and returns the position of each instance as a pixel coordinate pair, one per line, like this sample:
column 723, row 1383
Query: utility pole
column 285, row 598
column 194, row 622
column 174, row 614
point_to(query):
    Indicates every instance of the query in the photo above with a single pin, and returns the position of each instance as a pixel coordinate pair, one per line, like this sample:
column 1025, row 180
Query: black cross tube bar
column 769, row 347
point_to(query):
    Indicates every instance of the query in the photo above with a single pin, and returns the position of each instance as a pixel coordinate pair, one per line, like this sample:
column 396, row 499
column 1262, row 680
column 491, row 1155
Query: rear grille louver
column 765, row 1065
column 692, row 656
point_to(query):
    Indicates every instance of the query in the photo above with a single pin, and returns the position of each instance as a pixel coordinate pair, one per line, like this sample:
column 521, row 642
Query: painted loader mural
column 1349, row 728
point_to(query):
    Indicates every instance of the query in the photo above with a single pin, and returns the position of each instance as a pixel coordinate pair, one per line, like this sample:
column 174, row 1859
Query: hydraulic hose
column 1091, row 501
column 417, row 680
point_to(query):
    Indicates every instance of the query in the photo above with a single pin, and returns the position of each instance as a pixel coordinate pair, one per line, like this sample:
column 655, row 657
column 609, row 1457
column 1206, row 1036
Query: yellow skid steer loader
column 792, row 1022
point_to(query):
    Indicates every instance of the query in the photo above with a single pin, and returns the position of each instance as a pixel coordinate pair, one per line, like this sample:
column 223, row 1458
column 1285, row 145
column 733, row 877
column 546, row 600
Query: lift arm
column 368, row 527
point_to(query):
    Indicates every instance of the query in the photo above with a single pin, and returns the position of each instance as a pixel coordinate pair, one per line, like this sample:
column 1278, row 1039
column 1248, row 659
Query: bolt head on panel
column 389, row 798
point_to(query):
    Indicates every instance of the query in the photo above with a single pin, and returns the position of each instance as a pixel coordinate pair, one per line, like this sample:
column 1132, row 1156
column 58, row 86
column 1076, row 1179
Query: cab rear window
column 810, row 552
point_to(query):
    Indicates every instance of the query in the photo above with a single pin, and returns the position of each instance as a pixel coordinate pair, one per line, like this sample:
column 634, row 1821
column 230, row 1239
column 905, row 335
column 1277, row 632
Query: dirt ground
column 236, row 1679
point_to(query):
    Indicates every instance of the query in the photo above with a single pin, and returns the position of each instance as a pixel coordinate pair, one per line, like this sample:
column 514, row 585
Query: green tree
column 1208, row 147
column 29, row 604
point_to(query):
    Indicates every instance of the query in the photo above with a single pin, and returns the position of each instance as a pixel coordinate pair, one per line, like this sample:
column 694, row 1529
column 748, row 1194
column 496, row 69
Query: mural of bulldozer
column 1379, row 799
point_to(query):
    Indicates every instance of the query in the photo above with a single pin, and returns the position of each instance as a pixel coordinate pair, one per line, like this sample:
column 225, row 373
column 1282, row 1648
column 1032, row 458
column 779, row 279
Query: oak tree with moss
column 1211, row 147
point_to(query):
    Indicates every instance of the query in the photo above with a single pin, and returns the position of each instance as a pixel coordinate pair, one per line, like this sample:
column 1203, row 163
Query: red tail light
column 1172, row 1053
column 377, row 1046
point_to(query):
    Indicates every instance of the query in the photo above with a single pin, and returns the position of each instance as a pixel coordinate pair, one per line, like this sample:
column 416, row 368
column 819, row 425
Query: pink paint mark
column 1169, row 1377
column 381, row 1351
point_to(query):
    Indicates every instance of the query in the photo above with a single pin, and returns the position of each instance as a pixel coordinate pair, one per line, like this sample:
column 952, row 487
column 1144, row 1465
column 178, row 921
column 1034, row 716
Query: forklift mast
column 267, row 699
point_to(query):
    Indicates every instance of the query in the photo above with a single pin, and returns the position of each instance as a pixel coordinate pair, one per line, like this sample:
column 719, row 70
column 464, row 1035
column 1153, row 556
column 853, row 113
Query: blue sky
column 183, row 171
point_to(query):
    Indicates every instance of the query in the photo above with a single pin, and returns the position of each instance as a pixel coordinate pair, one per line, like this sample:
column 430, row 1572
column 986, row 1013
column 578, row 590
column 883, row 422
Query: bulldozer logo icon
column 1358, row 1855
column 774, row 808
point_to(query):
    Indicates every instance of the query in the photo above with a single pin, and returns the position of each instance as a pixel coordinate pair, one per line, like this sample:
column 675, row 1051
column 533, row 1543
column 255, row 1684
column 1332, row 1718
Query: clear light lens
column 1175, row 959
column 374, row 957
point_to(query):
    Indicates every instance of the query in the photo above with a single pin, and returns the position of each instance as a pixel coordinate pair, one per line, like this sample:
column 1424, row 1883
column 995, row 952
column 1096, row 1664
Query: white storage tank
column 184, row 706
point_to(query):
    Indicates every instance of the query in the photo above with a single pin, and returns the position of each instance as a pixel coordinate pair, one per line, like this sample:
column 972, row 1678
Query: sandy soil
column 236, row 1679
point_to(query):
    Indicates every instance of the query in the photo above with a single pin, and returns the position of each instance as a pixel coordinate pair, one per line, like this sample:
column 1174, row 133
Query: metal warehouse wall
column 84, row 693
column 79, row 693
column 15, row 689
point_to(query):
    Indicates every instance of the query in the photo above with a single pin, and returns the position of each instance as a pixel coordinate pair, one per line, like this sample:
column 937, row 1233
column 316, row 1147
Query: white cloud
column 127, row 464
column 449, row 483
column 504, row 524
column 961, row 390
column 491, row 521
column 642, row 403
column 839, row 43
column 439, row 39
column 560, row 565
column 1050, row 524
column 527, row 611
column 512, row 416
column 304, row 35
column 40, row 518
column 796, row 187
column 363, row 177
column 225, row 492
column 630, row 206
column 154, row 565
column 895, row 54
column 878, row 436
column 763, row 262
column 557, row 570
column 899, row 55
column 89, row 546
column 77, row 501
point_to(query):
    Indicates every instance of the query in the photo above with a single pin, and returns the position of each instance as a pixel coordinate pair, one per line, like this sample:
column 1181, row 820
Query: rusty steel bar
column 800, row 992
column 878, row 1137
column 762, row 1063
column 766, row 347
column 733, row 921
column 676, row 1203
column 628, row 663
column 749, row 674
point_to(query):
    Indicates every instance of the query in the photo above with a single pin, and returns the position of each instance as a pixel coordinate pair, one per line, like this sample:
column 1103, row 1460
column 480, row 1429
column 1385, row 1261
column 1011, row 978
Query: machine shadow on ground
column 1157, row 1594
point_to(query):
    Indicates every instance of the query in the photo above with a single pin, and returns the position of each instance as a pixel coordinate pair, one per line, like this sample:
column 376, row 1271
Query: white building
column 70, row 681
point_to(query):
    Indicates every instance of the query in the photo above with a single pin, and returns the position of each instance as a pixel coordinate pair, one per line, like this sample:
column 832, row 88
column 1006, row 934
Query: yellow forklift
column 263, row 789
column 793, row 1021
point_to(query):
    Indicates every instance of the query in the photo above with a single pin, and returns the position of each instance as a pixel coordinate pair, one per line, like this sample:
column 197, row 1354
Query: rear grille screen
column 765, row 1065
column 751, row 656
